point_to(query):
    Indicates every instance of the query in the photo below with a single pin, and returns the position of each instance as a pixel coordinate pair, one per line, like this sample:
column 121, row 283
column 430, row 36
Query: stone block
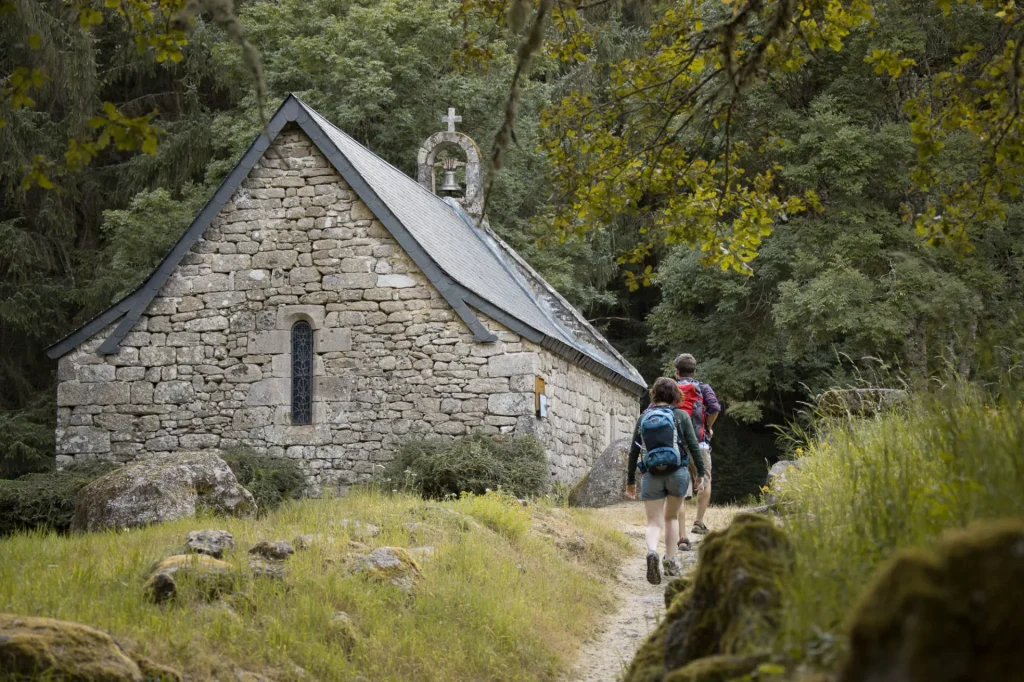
column 157, row 356
column 242, row 321
column 511, row 364
column 496, row 385
column 125, row 357
column 359, row 264
column 269, row 392
column 76, row 440
column 334, row 389
column 349, row 280
column 162, row 444
column 207, row 324
column 395, row 282
column 181, row 339
column 94, row 373
column 190, row 304
column 131, row 373
column 288, row 315
column 303, row 275
column 332, row 340
column 247, row 280
column 214, row 282
column 230, row 262
column 198, row 441
column 271, row 342
column 174, row 392
column 72, row 393
column 250, row 418
column 510, row 404
column 162, row 306
column 191, row 356
column 142, row 393
column 272, row 260
column 224, row 299
column 243, row 373
column 361, row 211
column 176, row 285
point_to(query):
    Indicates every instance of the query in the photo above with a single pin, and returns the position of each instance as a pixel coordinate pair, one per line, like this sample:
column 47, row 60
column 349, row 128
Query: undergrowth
column 865, row 488
column 497, row 601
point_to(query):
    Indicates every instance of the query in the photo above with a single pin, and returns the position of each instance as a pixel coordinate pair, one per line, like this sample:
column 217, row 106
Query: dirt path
column 607, row 655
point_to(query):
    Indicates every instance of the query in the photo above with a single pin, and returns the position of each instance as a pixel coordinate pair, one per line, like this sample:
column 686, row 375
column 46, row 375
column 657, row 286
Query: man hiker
column 699, row 401
column 662, row 442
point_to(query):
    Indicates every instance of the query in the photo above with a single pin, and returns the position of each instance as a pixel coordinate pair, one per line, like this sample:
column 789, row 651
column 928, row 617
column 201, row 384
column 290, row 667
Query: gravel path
column 605, row 657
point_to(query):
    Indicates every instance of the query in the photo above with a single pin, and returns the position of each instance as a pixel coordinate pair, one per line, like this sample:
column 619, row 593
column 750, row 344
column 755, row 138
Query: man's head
column 686, row 365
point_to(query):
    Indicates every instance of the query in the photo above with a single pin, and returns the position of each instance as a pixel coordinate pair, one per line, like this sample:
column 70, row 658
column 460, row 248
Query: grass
column 497, row 601
column 865, row 489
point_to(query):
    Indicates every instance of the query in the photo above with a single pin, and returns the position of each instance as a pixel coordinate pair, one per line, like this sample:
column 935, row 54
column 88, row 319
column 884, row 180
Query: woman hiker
column 666, row 436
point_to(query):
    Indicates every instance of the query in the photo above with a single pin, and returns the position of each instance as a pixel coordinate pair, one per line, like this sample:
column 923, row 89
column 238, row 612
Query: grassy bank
column 867, row 488
column 508, row 594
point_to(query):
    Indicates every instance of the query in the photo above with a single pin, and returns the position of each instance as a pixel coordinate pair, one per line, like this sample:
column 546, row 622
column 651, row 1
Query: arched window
column 302, row 373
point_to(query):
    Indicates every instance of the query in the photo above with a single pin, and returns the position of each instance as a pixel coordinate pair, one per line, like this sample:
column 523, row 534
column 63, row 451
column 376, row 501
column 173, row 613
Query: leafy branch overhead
column 652, row 131
column 158, row 28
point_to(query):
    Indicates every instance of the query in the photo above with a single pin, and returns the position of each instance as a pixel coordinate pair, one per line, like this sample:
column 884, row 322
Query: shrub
column 271, row 480
column 46, row 500
column 475, row 464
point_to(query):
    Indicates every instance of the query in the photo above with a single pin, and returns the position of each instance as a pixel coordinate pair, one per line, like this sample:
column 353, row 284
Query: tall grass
column 865, row 488
column 496, row 601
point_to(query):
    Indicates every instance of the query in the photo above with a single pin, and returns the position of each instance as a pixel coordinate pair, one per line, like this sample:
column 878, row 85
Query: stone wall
column 209, row 363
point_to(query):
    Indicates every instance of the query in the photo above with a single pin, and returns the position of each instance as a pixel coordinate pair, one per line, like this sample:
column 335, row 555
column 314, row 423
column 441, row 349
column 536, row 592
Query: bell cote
column 449, row 165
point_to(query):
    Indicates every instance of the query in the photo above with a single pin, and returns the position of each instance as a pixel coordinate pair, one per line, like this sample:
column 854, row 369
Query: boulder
column 777, row 480
column 955, row 612
column 343, row 632
column 721, row 668
column 212, row 577
column 45, row 648
column 390, row 564
column 209, row 542
column 605, row 483
column 861, row 402
column 278, row 550
column 730, row 605
column 161, row 488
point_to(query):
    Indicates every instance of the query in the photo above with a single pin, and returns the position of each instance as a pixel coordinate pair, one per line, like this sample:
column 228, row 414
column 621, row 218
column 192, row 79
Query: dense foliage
column 271, row 480
column 472, row 464
column 844, row 290
column 45, row 501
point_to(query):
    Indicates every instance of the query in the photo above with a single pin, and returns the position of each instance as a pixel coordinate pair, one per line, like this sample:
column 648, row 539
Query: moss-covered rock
column 721, row 668
column 949, row 614
column 390, row 564
column 675, row 588
column 45, row 648
column 730, row 606
column 343, row 632
column 211, row 577
column 154, row 672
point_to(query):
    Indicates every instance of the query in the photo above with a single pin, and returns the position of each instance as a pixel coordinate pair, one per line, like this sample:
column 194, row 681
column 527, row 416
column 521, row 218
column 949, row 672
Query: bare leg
column 703, row 501
column 655, row 520
column 682, row 520
column 673, row 507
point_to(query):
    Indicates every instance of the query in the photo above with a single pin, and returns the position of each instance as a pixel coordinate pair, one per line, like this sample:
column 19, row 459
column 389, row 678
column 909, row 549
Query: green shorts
column 655, row 487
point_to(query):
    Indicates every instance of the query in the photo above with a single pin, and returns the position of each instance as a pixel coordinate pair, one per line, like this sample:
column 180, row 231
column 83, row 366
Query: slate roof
column 467, row 263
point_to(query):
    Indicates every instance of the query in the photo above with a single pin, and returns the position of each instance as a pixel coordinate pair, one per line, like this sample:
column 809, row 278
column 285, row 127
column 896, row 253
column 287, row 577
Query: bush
column 475, row 464
column 47, row 500
column 271, row 480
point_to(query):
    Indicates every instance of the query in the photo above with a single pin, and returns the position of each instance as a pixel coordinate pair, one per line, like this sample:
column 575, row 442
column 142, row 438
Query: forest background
column 844, row 291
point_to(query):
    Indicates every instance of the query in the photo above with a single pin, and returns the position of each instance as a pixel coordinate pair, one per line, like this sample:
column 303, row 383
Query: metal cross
column 451, row 119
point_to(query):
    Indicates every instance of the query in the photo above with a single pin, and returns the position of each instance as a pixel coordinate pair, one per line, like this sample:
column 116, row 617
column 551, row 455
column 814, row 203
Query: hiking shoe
column 699, row 528
column 653, row 568
column 671, row 567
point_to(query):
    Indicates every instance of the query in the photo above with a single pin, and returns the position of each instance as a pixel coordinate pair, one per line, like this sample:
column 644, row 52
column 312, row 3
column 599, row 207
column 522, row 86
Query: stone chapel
column 325, row 306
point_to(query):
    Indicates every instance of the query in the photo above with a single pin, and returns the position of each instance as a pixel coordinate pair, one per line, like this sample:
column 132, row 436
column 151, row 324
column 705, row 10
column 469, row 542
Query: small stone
column 275, row 551
column 343, row 631
column 214, row 577
column 209, row 542
column 393, row 565
column 267, row 569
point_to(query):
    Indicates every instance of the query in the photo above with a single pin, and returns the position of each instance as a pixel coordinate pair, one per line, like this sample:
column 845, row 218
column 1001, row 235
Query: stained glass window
column 302, row 373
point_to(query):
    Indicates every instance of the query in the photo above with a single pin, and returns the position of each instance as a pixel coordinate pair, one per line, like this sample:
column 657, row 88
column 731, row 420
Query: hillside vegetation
column 508, row 592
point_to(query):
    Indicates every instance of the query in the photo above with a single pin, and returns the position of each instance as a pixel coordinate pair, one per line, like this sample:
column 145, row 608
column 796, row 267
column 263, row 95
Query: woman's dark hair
column 665, row 390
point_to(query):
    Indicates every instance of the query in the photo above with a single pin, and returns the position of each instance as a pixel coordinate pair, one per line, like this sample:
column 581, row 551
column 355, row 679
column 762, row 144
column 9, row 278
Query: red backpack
column 692, row 403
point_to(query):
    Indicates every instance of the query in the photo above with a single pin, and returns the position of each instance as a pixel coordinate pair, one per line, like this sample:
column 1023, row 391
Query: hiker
column 666, row 436
column 700, row 402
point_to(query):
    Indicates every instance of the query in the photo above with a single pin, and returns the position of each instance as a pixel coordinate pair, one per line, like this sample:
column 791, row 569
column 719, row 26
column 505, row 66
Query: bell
column 449, row 185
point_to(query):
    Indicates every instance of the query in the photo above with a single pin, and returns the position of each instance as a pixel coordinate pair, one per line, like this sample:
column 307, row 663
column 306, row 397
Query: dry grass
column 496, row 601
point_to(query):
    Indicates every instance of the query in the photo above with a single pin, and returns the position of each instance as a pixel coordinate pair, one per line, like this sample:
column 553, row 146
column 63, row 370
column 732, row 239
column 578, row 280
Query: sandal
column 684, row 545
column 699, row 528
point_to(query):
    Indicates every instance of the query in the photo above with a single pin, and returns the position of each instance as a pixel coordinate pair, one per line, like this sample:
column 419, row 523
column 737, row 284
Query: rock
column 358, row 530
column 209, row 542
column 721, row 668
column 605, row 483
column 212, row 577
column 955, row 612
column 390, row 564
column 343, row 632
column 675, row 588
column 730, row 605
column 303, row 542
column 576, row 546
column 161, row 488
column 262, row 568
column 45, row 648
column 275, row 551
column 154, row 672
column 777, row 480
column 861, row 402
